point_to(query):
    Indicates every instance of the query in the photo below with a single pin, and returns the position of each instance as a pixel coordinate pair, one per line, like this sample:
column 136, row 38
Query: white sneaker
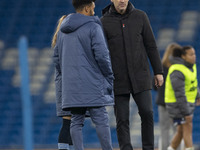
column 190, row 148
column 170, row 148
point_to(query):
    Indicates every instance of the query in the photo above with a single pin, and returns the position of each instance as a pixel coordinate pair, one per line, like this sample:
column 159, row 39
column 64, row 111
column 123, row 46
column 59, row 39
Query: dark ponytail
column 177, row 52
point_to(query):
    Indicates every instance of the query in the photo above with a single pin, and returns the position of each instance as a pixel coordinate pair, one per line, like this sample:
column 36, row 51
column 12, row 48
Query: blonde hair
column 168, row 53
column 54, row 39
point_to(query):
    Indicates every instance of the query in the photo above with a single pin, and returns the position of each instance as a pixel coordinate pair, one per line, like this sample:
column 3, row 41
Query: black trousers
column 144, row 103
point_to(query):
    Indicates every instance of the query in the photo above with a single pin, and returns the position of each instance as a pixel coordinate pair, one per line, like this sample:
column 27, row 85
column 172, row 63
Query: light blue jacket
column 82, row 55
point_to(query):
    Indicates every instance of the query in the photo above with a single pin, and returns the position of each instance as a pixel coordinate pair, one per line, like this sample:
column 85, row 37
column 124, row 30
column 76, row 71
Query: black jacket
column 131, row 42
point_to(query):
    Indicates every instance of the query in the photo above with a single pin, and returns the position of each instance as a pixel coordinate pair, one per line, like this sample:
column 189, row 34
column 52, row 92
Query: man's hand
column 158, row 80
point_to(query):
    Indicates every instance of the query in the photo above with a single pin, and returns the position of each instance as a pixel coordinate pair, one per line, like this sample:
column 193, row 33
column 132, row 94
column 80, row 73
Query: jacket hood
column 178, row 60
column 111, row 9
column 74, row 21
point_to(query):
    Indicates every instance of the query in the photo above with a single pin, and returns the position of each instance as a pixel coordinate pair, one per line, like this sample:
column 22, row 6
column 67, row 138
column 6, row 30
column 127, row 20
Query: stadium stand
column 172, row 20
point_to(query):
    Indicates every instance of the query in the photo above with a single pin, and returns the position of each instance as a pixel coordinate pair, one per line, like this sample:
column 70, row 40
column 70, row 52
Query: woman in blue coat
column 64, row 138
column 87, row 77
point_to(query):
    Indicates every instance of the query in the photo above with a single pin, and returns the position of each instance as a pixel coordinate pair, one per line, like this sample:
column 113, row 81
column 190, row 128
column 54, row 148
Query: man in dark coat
column 131, row 42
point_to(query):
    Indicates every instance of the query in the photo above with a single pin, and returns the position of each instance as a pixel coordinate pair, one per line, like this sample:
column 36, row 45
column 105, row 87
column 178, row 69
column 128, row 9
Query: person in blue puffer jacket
column 64, row 137
column 87, row 77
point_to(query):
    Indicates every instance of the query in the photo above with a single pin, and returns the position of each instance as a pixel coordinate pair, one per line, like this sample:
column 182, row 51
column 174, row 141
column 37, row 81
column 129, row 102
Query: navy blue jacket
column 82, row 55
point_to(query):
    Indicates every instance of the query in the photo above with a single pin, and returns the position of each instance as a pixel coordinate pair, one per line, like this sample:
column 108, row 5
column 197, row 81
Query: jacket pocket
column 108, row 87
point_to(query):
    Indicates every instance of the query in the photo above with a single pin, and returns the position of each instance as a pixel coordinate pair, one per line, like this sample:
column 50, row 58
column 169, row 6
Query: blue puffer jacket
column 83, row 57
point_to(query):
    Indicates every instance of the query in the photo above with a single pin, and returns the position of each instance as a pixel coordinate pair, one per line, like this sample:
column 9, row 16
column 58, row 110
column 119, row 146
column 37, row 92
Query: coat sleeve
column 58, row 76
column 101, row 53
column 150, row 46
column 56, row 59
column 178, row 84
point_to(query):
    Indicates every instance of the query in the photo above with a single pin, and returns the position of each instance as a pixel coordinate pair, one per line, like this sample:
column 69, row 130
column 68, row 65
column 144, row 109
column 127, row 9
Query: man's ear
column 111, row 0
column 86, row 8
